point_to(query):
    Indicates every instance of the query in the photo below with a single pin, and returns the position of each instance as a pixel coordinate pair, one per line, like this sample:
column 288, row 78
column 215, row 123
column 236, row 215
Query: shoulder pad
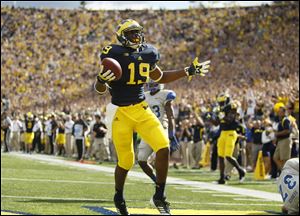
column 150, row 53
column 112, row 50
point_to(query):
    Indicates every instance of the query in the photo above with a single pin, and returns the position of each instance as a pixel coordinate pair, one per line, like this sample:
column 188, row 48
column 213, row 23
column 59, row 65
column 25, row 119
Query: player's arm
column 174, row 144
column 241, row 132
column 286, row 130
column 195, row 68
column 170, row 116
column 104, row 77
column 282, row 133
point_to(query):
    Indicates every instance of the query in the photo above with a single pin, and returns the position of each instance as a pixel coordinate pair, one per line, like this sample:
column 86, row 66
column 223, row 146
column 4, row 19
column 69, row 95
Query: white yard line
column 170, row 180
column 109, row 200
column 185, row 188
column 203, row 191
column 59, row 181
column 228, row 195
column 251, row 199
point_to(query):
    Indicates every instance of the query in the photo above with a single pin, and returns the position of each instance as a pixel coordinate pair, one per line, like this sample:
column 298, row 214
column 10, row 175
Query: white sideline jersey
column 157, row 104
column 158, row 101
column 288, row 185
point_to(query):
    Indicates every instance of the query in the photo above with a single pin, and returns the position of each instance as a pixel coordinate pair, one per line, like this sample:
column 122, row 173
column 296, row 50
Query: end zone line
column 130, row 200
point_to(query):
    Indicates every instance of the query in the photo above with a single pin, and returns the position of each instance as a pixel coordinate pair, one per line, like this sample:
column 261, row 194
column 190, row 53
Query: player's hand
column 174, row 144
column 105, row 76
column 221, row 115
column 197, row 68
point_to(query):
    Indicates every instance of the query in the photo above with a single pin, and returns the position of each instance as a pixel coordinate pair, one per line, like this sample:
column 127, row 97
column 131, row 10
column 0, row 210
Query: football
column 113, row 65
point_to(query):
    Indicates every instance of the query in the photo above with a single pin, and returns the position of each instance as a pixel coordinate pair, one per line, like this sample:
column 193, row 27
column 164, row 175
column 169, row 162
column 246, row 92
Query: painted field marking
column 60, row 181
column 185, row 188
column 130, row 200
column 147, row 211
column 228, row 195
column 8, row 212
column 252, row 199
column 170, row 180
column 204, row 191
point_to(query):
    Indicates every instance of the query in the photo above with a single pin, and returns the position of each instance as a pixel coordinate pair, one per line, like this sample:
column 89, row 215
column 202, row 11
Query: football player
column 29, row 135
column 228, row 137
column 239, row 146
column 160, row 102
column 128, row 111
column 288, row 185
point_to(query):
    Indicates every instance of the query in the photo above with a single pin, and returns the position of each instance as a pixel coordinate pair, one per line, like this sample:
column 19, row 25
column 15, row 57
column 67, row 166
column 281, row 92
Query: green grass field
column 37, row 187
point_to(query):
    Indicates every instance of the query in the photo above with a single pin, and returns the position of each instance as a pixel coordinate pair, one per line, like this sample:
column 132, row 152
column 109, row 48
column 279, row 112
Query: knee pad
column 126, row 161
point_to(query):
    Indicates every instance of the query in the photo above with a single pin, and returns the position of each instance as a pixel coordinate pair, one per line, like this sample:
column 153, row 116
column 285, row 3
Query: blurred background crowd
column 49, row 62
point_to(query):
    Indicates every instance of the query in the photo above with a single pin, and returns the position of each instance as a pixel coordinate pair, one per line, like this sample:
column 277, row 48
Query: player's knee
column 164, row 152
column 126, row 162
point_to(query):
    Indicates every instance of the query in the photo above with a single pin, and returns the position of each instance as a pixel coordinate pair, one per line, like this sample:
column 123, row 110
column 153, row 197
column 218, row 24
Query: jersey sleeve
column 111, row 51
column 107, row 52
column 151, row 55
column 287, row 124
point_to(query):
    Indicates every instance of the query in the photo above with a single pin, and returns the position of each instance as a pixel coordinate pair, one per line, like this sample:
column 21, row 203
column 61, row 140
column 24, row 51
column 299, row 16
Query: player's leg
column 198, row 153
column 286, row 151
column 183, row 146
column 144, row 151
column 153, row 133
column 229, row 166
column 280, row 152
column 221, row 155
column 105, row 149
column 214, row 156
column 266, row 157
column 122, row 135
column 229, row 149
column 191, row 152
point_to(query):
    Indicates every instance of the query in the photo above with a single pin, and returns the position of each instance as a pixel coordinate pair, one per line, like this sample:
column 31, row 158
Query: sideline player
column 128, row 112
column 160, row 102
column 228, row 136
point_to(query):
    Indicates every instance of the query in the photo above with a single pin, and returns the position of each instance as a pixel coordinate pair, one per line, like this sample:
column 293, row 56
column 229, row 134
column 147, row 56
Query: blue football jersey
column 136, row 65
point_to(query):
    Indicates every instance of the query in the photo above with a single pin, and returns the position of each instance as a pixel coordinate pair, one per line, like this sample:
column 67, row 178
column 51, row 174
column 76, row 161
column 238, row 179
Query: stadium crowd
column 50, row 57
column 57, row 50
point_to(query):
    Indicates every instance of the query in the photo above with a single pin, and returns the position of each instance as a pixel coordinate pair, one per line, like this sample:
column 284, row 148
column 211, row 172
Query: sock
column 222, row 176
column 159, row 191
column 153, row 178
column 119, row 195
